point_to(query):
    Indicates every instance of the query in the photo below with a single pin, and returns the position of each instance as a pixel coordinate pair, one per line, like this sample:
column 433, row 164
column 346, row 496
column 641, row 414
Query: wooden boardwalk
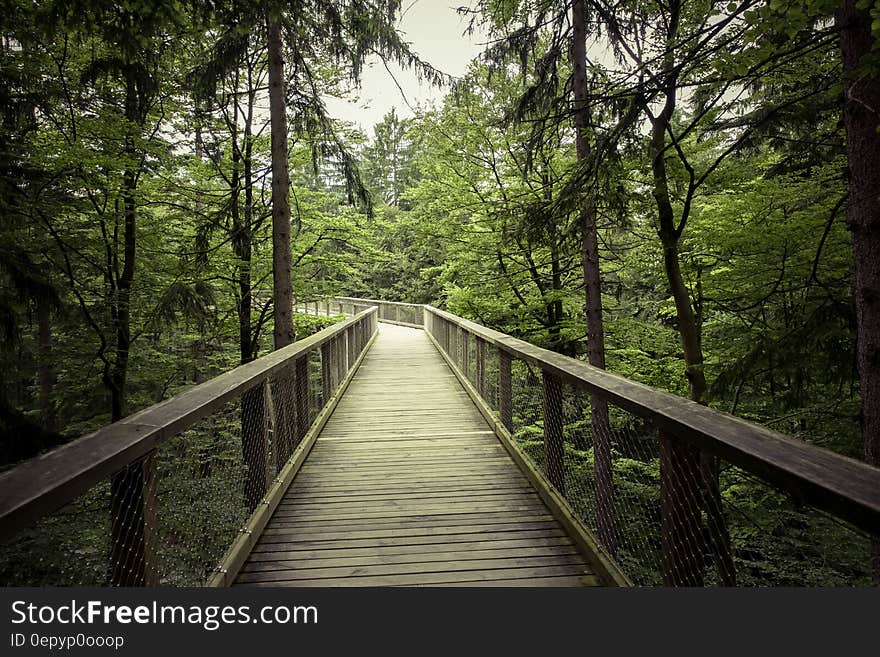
column 408, row 486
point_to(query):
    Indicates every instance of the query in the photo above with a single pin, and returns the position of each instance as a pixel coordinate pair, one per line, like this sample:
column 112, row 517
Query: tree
column 860, row 49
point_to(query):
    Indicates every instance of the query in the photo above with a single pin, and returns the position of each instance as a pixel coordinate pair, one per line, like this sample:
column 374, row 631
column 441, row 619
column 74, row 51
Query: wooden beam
column 505, row 389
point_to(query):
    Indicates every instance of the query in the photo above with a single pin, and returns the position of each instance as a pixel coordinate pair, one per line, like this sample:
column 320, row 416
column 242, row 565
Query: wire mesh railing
column 668, row 491
column 169, row 495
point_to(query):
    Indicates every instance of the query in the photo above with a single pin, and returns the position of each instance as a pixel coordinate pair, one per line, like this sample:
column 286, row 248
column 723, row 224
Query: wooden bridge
column 382, row 452
column 407, row 484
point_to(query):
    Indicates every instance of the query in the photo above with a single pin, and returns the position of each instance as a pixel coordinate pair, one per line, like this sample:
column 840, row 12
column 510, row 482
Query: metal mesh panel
column 778, row 542
column 201, row 500
column 67, row 548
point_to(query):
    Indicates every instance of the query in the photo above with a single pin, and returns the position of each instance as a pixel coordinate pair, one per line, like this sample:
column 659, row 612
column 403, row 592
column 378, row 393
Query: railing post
column 301, row 398
column 253, row 439
column 505, row 389
column 452, row 329
column 326, row 369
column 604, row 472
column 397, row 313
column 133, row 531
column 464, row 335
column 481, row 367
column 343, row 353
column 553, row 448
column 680, row 509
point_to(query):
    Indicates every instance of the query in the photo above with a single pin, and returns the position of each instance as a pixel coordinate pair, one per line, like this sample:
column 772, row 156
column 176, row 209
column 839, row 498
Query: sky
column 437, row 34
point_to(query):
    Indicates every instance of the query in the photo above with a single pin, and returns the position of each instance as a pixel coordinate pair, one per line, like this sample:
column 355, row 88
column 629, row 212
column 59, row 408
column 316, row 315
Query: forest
column 681, row 192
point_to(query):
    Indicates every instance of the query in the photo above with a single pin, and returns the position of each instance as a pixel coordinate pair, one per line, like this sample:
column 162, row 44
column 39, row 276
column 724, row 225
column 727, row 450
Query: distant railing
column 176, row 494
column 643, row 470
column 392, row 312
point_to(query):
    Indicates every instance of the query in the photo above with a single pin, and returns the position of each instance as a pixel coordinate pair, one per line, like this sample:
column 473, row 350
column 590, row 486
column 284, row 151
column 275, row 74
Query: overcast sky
column 435, row 32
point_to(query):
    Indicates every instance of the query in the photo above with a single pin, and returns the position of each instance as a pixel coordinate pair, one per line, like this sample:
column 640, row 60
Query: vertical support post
column 254, row 430
column 681, row 526
column 553, row 449
column 481, row 367
column 464, row 335
column 604, row 472
column 134, row 557
column 505, row 389
column 343, row 353
column 397, row 313
column 453, row 342
column 352, row 347
column 301, row 397
column 326, row 369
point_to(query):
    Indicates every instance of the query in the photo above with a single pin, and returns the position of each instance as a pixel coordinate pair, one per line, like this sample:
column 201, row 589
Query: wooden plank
column 414, row 493
column 441, row 533
column 483, row 577
column 266, row 549
column 316, row 478
column 392, row 510
column 421, row 483
column 413, row 497
column 396, row 570
column 321, row 496
column 469, row 546
column 384, row 559
column 408, row 521
column 368, row 473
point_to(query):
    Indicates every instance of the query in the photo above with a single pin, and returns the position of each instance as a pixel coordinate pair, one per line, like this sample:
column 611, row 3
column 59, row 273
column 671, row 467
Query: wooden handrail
column 45, row 483
column 844, row 486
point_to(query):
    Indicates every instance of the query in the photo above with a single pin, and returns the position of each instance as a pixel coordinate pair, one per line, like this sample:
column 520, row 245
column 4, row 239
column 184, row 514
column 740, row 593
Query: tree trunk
column 125, row 278
column 284, row 386
column 861, row 119
column 133, row 539
column 593, row 290
column 281, row 258
column 716, row 534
